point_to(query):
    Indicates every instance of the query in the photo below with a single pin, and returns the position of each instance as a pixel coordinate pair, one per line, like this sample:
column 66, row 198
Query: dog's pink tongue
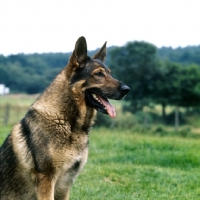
column 109, row 107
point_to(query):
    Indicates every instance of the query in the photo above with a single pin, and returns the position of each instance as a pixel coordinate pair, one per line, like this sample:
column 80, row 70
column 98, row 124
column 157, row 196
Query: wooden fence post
column 176, row 118
column 7, row 112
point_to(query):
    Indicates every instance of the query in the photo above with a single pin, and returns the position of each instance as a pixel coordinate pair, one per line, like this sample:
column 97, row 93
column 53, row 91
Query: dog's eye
column 99, row 74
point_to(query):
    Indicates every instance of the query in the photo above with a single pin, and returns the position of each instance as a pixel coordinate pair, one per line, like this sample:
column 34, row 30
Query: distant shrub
column 123, row 120
column 169, row 119
column 103, row 120
column 126, row 120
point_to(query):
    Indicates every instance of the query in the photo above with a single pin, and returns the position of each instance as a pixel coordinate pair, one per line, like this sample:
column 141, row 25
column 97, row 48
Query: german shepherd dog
column 45, row 152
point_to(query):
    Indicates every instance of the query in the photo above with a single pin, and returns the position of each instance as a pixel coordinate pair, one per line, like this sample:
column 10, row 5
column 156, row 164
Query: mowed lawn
column 128, row 165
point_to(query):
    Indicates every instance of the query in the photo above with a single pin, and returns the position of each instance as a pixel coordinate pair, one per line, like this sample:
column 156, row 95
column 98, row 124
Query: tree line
column 30, row 73
column 156, row 79
column 163, row 76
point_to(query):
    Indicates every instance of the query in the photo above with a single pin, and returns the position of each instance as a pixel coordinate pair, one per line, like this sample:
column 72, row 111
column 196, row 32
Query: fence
column 11, row 114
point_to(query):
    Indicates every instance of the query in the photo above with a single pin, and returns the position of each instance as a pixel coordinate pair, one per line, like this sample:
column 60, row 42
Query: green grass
column 18, row 106
column 4, row 131
column 18, row 99
column 127, row 165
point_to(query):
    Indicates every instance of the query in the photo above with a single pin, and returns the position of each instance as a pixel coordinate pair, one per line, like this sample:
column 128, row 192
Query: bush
column 102, row 120
column 123, row 120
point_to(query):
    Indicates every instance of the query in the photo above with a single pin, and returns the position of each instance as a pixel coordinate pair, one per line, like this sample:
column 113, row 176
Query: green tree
column 135, row 64
column 177, row 85
column 167, row 85
column 190, row 86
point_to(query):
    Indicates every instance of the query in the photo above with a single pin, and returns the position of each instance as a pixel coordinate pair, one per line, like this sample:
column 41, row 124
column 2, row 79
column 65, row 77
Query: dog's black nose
column 124, row 89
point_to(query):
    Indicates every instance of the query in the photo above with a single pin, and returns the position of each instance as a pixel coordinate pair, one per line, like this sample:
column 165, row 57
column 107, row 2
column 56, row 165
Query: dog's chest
column 73, row 161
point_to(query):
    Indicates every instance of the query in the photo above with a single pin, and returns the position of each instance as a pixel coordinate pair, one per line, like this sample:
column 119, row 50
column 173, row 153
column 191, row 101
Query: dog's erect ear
column 81, row 49
column 101, row 54
column 78, row 57
column 80, row 52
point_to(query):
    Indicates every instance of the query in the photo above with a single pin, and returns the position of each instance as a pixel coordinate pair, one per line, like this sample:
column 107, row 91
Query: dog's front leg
column 62, row 195
column 44, row 187
column 66, row 197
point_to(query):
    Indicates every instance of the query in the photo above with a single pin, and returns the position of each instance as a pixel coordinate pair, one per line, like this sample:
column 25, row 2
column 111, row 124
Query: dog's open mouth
column 100, row 103
column 108, row 107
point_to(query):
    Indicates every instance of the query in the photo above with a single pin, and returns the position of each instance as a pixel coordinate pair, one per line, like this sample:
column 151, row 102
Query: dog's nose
column 124, row 89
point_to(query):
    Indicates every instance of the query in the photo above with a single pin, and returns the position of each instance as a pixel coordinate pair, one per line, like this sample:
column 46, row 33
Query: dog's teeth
column 95, row 96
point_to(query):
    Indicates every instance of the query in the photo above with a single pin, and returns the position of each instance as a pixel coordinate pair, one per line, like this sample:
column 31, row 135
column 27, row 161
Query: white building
column 4, row 90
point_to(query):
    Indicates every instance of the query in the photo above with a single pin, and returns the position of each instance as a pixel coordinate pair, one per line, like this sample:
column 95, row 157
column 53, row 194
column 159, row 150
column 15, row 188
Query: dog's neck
column 61, row 103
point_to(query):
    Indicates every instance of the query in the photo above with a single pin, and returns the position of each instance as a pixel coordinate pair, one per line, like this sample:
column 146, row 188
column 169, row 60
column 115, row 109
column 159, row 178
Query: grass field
column 136, row 164
column 18, row 106
column 127, row 165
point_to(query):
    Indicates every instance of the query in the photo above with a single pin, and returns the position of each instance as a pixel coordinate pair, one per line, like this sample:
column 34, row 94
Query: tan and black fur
column 45, row 152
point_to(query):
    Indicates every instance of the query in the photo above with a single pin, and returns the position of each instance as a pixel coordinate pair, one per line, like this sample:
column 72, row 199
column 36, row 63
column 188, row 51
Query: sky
column 37, row 26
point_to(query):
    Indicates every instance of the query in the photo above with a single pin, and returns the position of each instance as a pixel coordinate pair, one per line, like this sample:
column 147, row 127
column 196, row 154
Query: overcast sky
column 28, row 26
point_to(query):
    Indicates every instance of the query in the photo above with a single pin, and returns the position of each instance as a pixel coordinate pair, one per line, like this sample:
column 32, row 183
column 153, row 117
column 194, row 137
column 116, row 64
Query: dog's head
column 93, row 78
